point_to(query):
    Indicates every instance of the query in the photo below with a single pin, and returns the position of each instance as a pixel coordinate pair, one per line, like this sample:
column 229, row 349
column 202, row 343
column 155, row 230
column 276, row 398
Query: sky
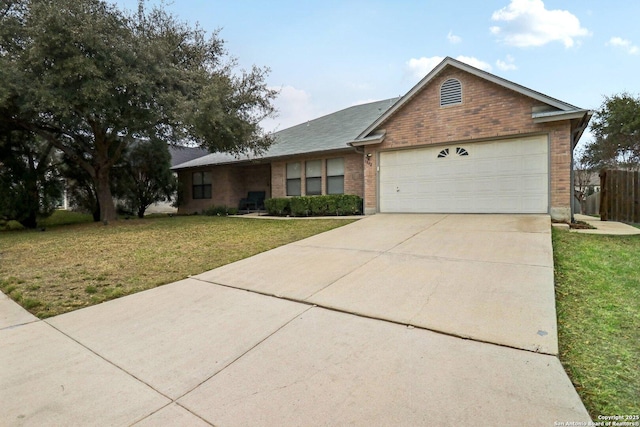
column 328, row 55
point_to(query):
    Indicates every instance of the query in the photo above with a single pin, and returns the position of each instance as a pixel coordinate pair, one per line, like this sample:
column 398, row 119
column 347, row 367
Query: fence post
column 604, row 199
column 636, row 197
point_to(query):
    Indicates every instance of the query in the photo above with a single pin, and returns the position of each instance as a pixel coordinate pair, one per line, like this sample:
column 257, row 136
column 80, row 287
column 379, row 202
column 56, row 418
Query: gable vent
column 451, row 92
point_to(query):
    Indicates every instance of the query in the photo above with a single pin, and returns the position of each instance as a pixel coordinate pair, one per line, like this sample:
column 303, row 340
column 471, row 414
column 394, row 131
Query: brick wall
column 487, row 111
column 230, row 183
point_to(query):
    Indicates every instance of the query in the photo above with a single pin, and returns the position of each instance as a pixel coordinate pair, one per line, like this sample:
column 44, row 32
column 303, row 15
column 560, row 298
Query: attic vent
column 451, row 92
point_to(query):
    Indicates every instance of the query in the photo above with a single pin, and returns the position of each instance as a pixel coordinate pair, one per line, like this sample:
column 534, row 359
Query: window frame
column 289, row 181
column 332, row 177
column 199, row 190
column 313, row 179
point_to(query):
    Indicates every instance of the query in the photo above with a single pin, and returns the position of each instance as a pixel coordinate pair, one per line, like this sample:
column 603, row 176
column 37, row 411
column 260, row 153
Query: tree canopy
column 616, row 127
column 30, row 186
column 91, row 79
column 147, row 176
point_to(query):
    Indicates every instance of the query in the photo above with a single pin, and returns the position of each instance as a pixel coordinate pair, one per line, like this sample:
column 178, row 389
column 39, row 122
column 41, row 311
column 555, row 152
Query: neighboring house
column 586, row 191
column 461, row 141
column 179, row 155
column 586, row 181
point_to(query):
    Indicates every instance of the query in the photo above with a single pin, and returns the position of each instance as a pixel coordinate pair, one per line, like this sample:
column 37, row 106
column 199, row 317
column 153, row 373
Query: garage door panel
column 532, row 183
column 499, row 176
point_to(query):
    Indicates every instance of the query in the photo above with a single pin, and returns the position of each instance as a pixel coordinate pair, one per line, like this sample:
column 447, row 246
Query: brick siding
column 230, row 183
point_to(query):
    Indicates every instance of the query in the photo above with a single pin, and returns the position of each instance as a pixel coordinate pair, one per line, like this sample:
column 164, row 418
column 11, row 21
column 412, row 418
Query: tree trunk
column 105, row 199
column 32, row 199
column 30, row 221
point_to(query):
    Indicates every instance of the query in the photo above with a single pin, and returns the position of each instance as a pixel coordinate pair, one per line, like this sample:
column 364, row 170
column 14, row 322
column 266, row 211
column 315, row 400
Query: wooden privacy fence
column 619, row 195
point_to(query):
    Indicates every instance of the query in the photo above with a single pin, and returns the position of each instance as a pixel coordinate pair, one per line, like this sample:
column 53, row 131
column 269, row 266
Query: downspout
column 575, row 136
column 572, row 179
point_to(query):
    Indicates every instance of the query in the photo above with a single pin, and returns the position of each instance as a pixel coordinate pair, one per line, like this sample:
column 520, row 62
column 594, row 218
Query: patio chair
column 254, row 200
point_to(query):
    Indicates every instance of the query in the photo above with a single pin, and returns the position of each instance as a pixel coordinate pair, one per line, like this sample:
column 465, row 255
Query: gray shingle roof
column 327, row 133
column 181, row 154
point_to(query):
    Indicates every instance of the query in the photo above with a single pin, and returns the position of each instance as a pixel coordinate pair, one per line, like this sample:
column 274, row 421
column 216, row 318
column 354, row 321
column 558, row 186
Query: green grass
column 75, row 266
column 598, row 304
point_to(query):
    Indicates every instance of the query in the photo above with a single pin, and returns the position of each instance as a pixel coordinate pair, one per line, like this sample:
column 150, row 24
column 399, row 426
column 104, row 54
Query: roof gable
column 558, row 110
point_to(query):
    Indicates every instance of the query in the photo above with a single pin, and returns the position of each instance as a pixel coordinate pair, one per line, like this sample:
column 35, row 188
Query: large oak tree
column 91, row 79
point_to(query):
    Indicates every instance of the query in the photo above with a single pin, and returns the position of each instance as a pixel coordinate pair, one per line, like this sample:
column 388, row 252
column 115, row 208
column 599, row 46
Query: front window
column 293, row 179
column 202, row 185
column 335, row 176
column 313, row 180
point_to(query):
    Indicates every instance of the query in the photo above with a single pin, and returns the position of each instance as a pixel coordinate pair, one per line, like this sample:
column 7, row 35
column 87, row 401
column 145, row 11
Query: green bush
column 334, row 204
column 348, row 204
column 278, row 207
column 300, row 206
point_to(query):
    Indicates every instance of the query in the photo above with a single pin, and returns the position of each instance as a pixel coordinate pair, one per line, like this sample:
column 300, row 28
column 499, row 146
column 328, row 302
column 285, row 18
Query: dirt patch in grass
column 598, row 304
column 581, row 225
column 75, row 266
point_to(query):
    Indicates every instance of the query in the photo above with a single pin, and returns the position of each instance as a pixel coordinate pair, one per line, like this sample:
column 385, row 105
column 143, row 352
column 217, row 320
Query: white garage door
column 506, row 176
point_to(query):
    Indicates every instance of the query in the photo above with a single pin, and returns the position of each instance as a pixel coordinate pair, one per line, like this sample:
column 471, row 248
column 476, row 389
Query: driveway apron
column 391, row 320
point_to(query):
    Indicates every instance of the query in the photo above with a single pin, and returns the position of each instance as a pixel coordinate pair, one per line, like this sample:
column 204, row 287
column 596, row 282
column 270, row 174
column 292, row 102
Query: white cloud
column 527, row 23
column 624, row 44
column 294, row 107
column 507, row 65
column 474, row 62
column 453, row 39
column 420, row 67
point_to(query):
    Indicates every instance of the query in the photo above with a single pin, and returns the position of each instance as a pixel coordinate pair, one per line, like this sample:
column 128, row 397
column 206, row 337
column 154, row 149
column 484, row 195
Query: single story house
column 460, row 141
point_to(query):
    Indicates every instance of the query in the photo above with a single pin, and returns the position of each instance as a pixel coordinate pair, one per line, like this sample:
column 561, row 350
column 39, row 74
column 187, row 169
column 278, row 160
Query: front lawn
column 74, row 266
column 598, row 303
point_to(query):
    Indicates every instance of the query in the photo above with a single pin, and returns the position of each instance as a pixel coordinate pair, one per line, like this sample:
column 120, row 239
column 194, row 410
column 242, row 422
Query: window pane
column 293, row 170
column 206, row 177
column 314, row 168
column 335, row 185
column 293, row 187
column 206, row 191
column 314, row 186
column 335, row 167
column 197, row 178
column 197, row 192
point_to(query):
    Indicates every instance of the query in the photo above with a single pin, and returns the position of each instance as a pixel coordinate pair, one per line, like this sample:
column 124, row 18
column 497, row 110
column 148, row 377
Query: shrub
column 348, row 204
column 278, row 206
column 300, row 206
column 334, row 204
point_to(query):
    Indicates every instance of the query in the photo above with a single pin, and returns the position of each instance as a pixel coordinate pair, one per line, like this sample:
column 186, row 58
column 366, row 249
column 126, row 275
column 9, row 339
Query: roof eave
column 372, row 140
column 558, row 116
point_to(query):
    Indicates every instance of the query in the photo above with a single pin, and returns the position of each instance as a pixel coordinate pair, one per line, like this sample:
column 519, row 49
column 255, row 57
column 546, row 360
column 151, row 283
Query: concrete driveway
column 392, row 320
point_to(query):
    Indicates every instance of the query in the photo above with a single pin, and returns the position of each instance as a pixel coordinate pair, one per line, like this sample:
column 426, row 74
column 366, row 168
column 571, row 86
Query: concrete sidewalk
column 613, row 228
column 335, row 348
